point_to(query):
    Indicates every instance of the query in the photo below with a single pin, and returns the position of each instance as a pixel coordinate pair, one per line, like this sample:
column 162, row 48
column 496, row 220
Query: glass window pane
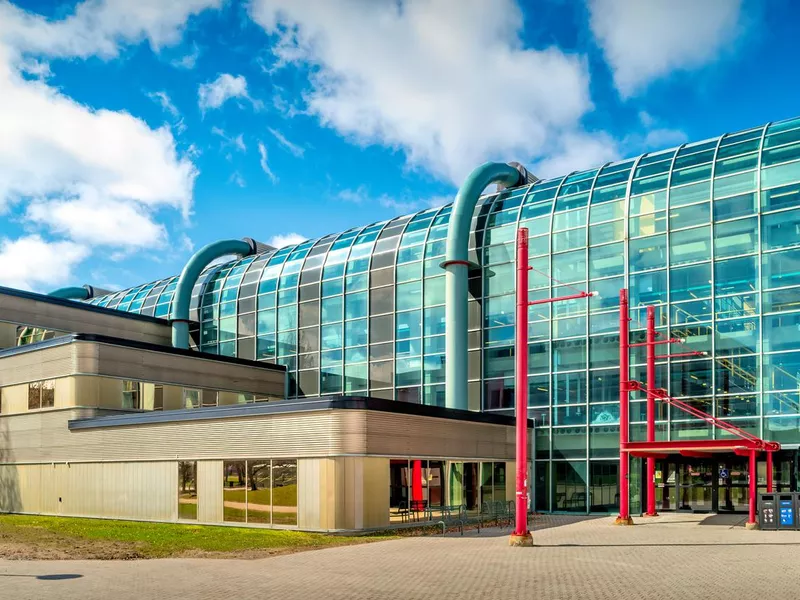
column 332, row 309
column 409, row 295
column 780, row 175
column 355, row 332
column 690, row 245
column 499, row 279
column 356, row 305
column 782, row 371
column 780, row 230
column 735, row 184
column 735, row 237
column 782, row 332
column 737, row 336
column 648, row 224
column 409, row 324
column 284, row 492
column 736, row 206
column 648, row 288
column 647, row 253
column 234, row 490
column 780, row 269
column 187, row 490
column 570, row 266
column 689, row 194
column 686, row 216
column 689, row 283
column 735, row 275
column 782, row 197
column 606, row 260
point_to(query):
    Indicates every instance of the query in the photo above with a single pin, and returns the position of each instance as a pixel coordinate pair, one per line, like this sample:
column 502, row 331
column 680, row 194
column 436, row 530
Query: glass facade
column 708, row 233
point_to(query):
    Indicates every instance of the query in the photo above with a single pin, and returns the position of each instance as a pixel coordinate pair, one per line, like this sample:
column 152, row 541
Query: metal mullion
column 759, row 276
column 713, row 294
column 550, row 337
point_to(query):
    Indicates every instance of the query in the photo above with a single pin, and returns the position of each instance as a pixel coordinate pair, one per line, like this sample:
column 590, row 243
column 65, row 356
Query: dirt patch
column 40, row 544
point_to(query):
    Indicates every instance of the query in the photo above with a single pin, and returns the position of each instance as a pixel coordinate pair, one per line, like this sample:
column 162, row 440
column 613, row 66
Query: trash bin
column 767, row 511
column 787, row 518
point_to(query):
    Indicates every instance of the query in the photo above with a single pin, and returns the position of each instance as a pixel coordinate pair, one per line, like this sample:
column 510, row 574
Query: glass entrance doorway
column 702, row 486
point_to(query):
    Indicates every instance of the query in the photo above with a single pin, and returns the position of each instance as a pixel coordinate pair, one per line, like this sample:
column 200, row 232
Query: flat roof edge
column 81, row 306
column 289, row 407
column 147, row 346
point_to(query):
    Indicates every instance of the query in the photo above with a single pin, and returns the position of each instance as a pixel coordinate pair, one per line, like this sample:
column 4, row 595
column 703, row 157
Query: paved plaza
column 671, row 557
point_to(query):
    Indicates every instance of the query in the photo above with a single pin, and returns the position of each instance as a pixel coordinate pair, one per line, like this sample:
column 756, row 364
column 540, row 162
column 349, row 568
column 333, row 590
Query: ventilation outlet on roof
column 525, row 177
column 259, row 247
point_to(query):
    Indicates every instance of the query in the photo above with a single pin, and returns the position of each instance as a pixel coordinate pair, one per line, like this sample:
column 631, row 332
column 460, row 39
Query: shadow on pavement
column 54, row 577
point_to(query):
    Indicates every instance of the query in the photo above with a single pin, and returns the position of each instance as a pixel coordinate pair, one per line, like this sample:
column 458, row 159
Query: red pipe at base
column 521, row 535
column 751, row 516
column 416, row 481
column 651, row 409
column 624, row 517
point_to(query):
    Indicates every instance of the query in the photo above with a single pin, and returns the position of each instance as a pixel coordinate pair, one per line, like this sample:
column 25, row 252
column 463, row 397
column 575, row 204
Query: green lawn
column 44, row 536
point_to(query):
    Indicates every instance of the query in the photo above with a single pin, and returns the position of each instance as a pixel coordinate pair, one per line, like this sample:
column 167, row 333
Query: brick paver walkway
column 672, row 557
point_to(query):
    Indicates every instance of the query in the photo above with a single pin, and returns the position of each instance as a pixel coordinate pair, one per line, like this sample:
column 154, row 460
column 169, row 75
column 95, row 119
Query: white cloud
column 100, row 27
column 262, row 150
column 215, row 93
column 188, row 61
column 449, row 96
column 30, row 262
column 237, row 179
column 99, row 221
column 237, row 142
column 84, row 171
column 576, row 152
column 292, row 148
column 286, row 239
column 654, row 136
column 163, row 100
column 648, row 39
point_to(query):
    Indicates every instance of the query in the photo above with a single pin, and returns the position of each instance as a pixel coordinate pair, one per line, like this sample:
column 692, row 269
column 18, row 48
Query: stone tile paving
column 671, row 557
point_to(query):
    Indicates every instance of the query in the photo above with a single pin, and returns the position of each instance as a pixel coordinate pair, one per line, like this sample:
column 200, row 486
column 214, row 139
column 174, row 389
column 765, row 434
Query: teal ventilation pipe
column 179, row 316
column 457, row 265
column 74, row 293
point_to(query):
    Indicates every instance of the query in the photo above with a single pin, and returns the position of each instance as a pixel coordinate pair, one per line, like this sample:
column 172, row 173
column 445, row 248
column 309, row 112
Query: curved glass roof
column 733, row 161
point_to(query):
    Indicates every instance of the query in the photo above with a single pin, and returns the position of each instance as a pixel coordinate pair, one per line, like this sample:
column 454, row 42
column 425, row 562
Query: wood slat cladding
column 49, row 313
column 95, row 358
column 411, row 435
column 44, row 436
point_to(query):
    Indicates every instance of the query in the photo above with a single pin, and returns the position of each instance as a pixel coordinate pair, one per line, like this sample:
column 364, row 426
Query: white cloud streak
column 262, row 151
column 645, row 40
column 294, row 149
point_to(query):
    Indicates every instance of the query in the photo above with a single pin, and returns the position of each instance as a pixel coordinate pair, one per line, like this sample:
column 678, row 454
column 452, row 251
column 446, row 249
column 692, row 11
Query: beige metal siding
column 310, row 497
column 411, row 435
column 119, row 490
column 376, row 492
column 90, row 358
column 209, row 491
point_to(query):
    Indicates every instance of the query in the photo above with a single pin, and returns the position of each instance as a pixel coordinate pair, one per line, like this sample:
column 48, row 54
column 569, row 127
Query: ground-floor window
column 425, row 489
column 187, row 490
column 260, row 491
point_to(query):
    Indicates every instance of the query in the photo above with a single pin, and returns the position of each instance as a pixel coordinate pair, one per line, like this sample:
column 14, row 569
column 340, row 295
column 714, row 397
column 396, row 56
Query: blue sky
column 132, row 133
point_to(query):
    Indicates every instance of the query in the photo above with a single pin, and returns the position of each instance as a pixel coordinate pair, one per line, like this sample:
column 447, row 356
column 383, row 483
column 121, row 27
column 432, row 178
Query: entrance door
column 733, row 485
column 695, row 486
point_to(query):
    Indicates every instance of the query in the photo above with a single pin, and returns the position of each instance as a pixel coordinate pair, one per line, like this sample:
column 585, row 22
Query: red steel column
column 769, row 471
column 416, row 481
column 521, row 535
column 624, row 517
column 751, row 517
column 651, row 409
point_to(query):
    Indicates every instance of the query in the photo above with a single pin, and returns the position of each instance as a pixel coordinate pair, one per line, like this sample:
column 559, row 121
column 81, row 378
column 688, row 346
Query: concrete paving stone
column 664, row 558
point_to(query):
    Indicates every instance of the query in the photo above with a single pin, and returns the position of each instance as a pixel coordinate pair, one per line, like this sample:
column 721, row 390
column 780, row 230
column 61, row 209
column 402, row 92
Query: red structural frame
column 521, row 378
column 742, row 442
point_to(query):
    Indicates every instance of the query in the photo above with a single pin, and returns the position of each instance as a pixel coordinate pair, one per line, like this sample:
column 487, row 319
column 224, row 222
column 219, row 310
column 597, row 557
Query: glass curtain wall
column 707, row 233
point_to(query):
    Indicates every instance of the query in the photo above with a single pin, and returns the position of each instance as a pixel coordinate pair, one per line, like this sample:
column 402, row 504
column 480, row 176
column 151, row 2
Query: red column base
column 654, row 514
column 753, row 525
column 623, row 521
column 521, row 541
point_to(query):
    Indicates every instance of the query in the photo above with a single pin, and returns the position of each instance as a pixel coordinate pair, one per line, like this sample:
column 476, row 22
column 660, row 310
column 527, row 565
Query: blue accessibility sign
column 723, row 473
